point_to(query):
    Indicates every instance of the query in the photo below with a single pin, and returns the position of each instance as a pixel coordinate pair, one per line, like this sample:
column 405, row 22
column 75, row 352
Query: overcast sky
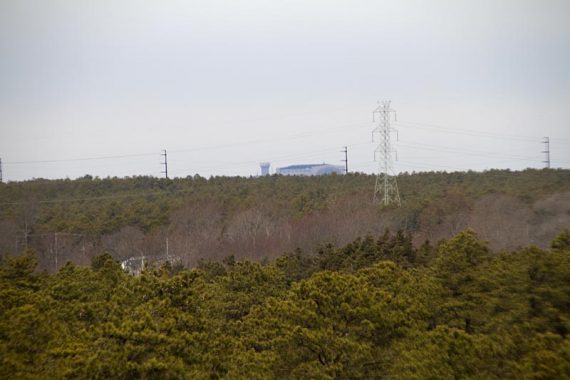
column 223, row 85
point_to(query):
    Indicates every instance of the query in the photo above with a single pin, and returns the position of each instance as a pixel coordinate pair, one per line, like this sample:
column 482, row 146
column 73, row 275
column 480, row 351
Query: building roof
column 300, row 167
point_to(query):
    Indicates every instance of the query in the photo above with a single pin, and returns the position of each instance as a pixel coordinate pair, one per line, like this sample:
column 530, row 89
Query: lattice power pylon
column 386, row 188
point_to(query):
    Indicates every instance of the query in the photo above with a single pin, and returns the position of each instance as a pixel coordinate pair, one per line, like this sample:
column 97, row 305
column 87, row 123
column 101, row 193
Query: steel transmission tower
column 386, row 188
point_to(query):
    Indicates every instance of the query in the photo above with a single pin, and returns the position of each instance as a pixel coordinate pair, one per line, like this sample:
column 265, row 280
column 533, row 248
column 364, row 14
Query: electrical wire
column 272, row 139
column 81, row 159
column 439, row 148
column 197, row 149
column 279, row 158
column 467, row 132
column 404, row 124
column 162, row 192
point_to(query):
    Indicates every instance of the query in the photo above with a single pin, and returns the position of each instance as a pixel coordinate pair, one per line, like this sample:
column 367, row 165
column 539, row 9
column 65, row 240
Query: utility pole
column 167, row 255
column 165, row 163
column 345, row 151
column 55, row 250
column 0, row 170
column 386, row 187
column 546, row 151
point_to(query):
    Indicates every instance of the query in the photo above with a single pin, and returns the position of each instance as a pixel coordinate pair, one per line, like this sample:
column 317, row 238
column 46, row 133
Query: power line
column 439, row 148
column 272, row 139
column 81, row 159
column 428, row 166
column 410, row 164
column 218, row 146
column 468, row 132
column 474, row 133
column 407, row 124
column 279, row 158
column 162, row 192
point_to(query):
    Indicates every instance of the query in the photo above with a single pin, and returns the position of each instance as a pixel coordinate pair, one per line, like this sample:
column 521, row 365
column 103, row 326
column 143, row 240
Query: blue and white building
column 310, row 169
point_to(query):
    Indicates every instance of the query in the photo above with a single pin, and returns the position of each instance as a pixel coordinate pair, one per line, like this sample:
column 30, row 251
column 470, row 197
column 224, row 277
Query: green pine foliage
column 96, row 206
column 377, row 308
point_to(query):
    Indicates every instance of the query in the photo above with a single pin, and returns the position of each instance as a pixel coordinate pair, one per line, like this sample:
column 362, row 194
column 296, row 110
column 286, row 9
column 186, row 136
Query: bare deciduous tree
column 127, row 242
column 501, row 220
column 551, row 216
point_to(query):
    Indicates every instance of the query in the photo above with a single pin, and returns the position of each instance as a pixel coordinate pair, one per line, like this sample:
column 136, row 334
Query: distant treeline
column 258, row 218
column 377, row 308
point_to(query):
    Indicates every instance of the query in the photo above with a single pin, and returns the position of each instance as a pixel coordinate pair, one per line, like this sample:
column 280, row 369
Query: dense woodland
column 260, row 218
column 287, row 277
column 377, row 308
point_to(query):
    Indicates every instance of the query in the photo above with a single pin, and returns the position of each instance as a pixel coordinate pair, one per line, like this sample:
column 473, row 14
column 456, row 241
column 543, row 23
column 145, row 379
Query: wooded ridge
column 261, row 217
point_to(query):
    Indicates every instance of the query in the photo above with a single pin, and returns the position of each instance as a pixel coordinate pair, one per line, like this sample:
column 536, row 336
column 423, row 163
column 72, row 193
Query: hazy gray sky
column 230, row 83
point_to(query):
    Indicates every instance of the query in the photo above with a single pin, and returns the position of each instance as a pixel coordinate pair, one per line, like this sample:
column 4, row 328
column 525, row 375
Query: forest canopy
column 377, row 308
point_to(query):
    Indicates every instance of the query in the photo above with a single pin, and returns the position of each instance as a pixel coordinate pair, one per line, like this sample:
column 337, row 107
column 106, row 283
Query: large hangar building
column 310, row 169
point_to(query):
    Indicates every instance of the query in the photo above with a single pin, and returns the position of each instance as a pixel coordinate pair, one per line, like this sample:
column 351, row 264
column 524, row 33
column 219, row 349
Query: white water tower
column 264, row 168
